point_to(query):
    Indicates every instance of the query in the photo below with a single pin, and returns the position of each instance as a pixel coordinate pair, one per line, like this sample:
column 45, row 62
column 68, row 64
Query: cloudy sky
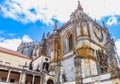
column 27, row 20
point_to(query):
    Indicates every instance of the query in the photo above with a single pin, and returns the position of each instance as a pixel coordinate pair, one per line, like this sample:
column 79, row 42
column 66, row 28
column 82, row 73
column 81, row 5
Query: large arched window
column 70, row 42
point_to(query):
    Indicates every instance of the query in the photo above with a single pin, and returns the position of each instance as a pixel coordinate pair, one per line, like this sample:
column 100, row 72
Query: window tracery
column 70, row 42
column 102, row 59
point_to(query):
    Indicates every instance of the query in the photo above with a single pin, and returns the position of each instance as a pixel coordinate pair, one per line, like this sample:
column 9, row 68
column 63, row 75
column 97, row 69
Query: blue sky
column 28, row 19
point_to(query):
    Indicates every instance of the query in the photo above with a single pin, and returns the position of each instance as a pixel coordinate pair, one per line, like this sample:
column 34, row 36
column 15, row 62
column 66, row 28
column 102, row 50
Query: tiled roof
column 15, row 53
column 39, row 56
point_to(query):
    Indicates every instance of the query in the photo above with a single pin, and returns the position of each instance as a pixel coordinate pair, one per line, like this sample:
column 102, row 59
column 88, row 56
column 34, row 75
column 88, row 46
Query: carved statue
column 102, row 58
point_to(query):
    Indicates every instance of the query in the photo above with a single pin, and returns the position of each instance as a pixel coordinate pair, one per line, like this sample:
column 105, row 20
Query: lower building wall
column 109, row 81
column 104, row 82
column 73, row 82
column 15, row 76
column 116, row 81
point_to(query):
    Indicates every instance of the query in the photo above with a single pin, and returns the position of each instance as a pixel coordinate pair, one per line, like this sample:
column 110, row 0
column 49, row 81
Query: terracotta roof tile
column 8, row 51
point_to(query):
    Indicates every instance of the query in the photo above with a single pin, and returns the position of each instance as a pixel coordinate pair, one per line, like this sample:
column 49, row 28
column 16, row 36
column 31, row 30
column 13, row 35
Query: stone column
column 78, row 71
column 33, row 79
column 61, row 75
column 42, row 79
column 58, row 73
column 22, row 78
column 8, row 76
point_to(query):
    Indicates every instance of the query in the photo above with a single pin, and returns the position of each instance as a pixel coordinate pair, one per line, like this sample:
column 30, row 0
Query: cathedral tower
column 83, row 47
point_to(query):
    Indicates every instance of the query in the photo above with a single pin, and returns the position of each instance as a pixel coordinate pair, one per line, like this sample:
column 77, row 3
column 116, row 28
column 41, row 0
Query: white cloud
column 1, row 39
column 26, row 38
column 13, row 43
column 45, row 10
column 112, row 20
column 10, row 43
column 11, row 34
column 117, row 43
column 101, row 8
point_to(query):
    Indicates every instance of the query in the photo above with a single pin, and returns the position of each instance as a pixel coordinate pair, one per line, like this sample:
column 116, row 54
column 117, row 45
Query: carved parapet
column 103, row 61
column 86, row 51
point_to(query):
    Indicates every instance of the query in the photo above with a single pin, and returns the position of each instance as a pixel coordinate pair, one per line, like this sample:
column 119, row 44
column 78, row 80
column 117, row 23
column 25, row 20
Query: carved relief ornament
column 98, row 33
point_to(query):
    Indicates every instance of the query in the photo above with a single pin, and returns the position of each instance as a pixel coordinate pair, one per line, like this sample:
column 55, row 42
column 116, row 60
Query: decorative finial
column 103, row 23
column 79, row 6
column 43, row 36
column 56, row 27
column 104, row 26
column 56, row 24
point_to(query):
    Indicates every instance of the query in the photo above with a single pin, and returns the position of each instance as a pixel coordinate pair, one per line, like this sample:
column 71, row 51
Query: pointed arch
column 69, row 41
column 50, row 81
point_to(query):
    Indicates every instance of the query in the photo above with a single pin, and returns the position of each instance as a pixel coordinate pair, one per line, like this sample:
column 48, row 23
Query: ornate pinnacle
column 79, row 6
column 43, row 36
column 56, row 26
column 103, row 23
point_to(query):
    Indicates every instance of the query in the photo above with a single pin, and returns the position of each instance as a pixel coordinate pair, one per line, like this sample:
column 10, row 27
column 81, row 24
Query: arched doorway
column 50, row 81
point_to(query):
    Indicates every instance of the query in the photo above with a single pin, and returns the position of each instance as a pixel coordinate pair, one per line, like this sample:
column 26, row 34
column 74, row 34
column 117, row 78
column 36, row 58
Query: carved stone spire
column 43, row 46
column 43, row 36
column 79, row 7
column 103, row 23
column 105, row 28
column 56, row 26
column 56, row 40
column 55, row 30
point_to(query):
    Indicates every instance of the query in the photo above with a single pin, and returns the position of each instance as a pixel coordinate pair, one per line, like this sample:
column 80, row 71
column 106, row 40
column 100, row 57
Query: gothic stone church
column 82, row 48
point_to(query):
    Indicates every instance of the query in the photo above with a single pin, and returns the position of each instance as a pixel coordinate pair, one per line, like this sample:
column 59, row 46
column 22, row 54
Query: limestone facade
column 80, row 36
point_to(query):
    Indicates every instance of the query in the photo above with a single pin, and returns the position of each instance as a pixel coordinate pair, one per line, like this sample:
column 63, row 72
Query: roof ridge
column 13, row 52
